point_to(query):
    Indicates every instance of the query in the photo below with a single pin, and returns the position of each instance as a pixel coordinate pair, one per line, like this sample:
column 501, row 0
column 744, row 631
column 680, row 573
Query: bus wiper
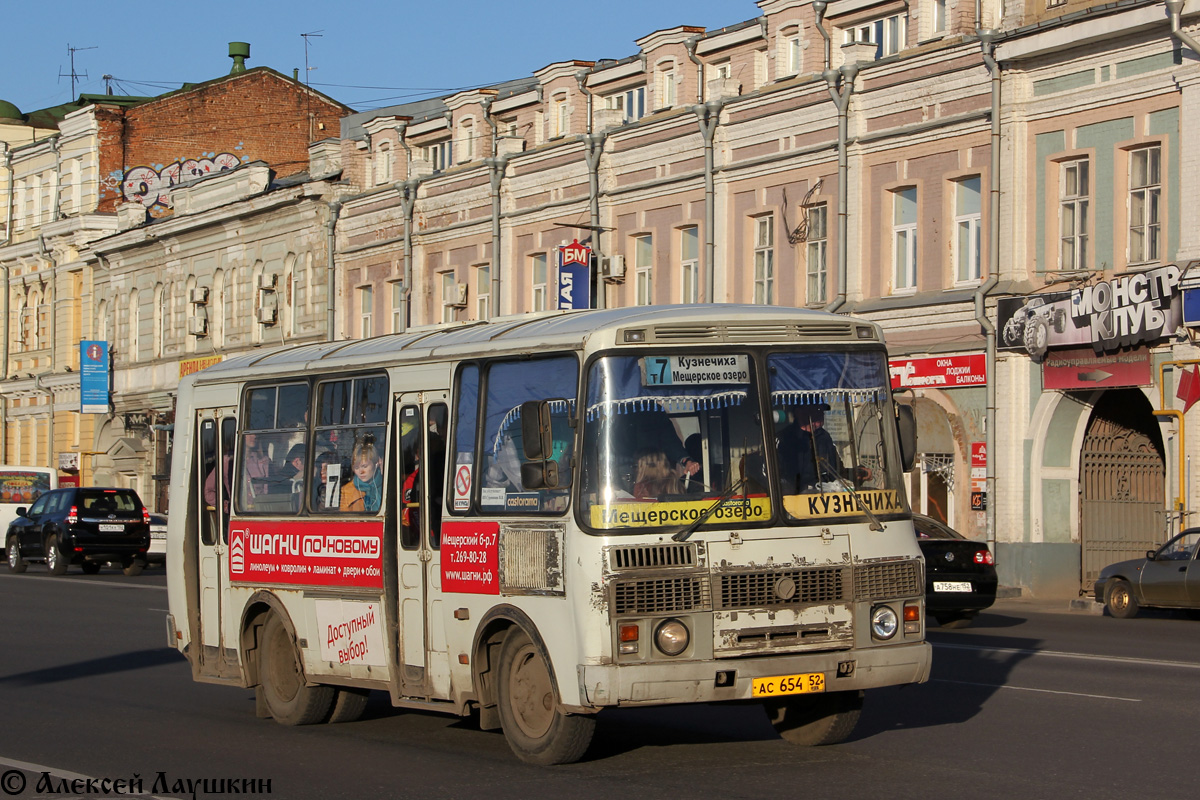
column 876, row 525
column 685, row 534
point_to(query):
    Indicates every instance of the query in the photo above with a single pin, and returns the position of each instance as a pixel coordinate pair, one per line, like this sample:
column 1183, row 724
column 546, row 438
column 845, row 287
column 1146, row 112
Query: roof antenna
column 73, row 75
column 307, row 43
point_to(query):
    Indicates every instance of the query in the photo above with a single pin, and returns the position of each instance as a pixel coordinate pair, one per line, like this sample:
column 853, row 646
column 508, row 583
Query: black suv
column 87, row 526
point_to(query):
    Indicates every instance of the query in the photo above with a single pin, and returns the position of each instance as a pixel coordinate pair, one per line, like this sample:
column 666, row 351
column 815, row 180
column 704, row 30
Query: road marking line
column 62, row 773
column 1046, row 691
column 1081, row 656
column 89, row 583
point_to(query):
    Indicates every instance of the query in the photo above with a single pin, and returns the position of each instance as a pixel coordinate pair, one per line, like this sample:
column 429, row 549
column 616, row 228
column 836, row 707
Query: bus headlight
column 671, row 637
column 883, row 622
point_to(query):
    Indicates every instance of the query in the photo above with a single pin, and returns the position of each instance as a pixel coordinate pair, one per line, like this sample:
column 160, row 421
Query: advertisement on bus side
column 307, row 553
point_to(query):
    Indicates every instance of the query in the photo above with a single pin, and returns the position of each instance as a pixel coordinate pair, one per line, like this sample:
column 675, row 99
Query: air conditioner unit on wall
column 266, row 315
column 197, row 325
column 198, row 296
column 266, row 282
column 460, row 296
column 612, row 268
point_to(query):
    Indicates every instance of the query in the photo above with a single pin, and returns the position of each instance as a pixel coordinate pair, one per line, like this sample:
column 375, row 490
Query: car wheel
column 287, row 697
column 816, row 719
column 16, row 562
column 55, row 561
column 90, row 567
column 537, row 732
column 959, row 619
column 1037, row 337
column 134, row 566
column 348, row 705
column 1120, row 601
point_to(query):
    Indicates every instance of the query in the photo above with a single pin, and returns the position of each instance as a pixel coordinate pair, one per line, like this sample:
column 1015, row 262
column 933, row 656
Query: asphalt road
column 1032, row 701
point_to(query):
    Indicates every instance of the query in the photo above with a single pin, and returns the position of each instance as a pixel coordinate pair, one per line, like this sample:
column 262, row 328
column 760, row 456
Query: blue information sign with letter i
column 93, row 377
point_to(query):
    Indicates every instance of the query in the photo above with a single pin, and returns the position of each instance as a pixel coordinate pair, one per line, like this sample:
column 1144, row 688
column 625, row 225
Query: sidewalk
column 1013, row 597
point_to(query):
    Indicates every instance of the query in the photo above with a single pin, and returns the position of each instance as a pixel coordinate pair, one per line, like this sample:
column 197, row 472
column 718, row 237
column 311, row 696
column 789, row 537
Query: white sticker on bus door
column 350, row 632
column 462, row 487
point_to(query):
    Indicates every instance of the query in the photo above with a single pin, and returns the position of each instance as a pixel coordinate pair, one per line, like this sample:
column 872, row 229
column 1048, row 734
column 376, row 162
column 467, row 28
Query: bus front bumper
column 666, row 682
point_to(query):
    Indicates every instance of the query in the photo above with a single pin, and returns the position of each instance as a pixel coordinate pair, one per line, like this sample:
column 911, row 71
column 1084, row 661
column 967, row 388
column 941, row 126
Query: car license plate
column 108, row 527
column 778, row 685
column 951, row 586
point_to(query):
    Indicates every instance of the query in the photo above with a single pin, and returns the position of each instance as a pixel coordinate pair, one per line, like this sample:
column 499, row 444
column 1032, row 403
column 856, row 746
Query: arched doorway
column 1122, row 483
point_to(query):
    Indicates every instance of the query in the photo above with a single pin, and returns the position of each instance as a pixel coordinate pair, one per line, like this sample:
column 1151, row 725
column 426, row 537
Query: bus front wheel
column 814, row 720
column 282, row 678
column 536, row 730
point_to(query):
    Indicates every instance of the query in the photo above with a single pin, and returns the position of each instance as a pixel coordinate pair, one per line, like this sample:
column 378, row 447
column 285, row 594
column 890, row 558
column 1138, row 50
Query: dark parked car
column 960, row 574
column 1168, row 577
column 89, row 526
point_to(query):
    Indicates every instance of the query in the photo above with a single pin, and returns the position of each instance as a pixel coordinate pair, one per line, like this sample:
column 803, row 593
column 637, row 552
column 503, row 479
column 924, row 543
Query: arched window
column 383, row 163
column 217, row 306
column 101, row 323
column 160, row 318
column 134, row 323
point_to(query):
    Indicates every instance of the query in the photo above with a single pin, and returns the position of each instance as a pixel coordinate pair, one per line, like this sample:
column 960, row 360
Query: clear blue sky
column 370, row 53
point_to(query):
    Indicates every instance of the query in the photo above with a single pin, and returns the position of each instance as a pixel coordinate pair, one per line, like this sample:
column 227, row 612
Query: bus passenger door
column 216, row 433
column 421, row 425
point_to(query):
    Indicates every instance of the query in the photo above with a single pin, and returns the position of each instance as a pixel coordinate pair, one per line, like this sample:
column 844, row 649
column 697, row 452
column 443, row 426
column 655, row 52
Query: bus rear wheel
column 814, row 720
column 536, row 730
column 282, row 678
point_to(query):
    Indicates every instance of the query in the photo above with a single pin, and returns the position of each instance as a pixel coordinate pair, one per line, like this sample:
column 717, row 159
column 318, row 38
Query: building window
column 721, row 71
column 449, row 296
column 631, row 103
column 483, row 292
column 793, row 48
column 560, row 117
column 135, row 313
column 904, row 234
column 383, row 163
column 939, row 17
column 968, row 216
column 1074, row 197
column 643, row 265
column 466, row 141
column 397, row 306
column 537, row 302
column 888, row 34
column 366, row 305
column 439, row 155
column 666, row 88
column 689, row 264
column 1145, row 193
column 816, row 250
column 764, row 260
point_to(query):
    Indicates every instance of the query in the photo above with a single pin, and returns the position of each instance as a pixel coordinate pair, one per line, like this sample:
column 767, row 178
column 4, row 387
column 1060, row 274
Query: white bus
column 541, row 517
column 20, row 486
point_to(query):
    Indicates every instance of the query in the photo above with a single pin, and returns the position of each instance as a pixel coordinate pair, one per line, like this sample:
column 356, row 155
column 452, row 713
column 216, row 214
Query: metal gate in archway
column 1122, row 486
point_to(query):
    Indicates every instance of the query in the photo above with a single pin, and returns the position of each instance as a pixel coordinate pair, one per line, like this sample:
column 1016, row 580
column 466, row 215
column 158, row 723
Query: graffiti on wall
column 150, row 186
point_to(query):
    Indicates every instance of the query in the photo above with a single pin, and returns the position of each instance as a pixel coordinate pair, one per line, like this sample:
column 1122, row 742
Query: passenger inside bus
column 327, row 481
column 638, row 432
column 808, row 457
column 364, row 492
column 655, row 477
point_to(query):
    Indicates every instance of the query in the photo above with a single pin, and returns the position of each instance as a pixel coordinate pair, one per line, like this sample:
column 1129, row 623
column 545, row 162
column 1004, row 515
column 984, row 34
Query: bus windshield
column 831, row 415
column 670, row 441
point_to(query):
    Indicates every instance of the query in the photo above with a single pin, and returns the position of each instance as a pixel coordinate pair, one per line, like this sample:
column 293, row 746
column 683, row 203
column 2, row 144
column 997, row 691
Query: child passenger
column 364, row 493
column 655, row 476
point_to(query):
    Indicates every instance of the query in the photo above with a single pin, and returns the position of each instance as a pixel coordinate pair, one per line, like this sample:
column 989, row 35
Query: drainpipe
column 37, row 382
column 335, row 210
column 709, row 115
column 46, row 254
column 844, row 75
column 56, row 206
column 1174, row 9
column 594, row 142
column 690, row 45
column 408, row 200
column 819, row 7
column 987, row 39
column 496, row 168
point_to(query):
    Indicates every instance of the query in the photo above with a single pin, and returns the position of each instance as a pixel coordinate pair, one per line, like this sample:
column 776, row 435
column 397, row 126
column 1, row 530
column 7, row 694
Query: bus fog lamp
column 883, row 622
column 672, row 637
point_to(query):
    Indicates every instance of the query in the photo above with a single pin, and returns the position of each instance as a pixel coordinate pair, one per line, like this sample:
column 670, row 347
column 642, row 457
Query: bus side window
column 410, row 486
column 466, row 424
column 435, row 460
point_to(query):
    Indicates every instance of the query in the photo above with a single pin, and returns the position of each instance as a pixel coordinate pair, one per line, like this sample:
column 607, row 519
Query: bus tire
column 536, row 730
column 282, row 678
column 16, row 562
column 815, row 720
column 348, row 705
column 56, row 562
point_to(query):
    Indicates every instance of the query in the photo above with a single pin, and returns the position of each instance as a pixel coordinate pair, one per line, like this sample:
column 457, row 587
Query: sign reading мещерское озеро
column 1107, row 315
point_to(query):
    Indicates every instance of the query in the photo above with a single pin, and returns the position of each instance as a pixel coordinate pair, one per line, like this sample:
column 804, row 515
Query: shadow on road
column 122, row 662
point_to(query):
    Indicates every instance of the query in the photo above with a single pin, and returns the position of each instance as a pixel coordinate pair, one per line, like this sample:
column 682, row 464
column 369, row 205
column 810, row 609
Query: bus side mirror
column 539, row 475
column 535, row 430
column 906, row 427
